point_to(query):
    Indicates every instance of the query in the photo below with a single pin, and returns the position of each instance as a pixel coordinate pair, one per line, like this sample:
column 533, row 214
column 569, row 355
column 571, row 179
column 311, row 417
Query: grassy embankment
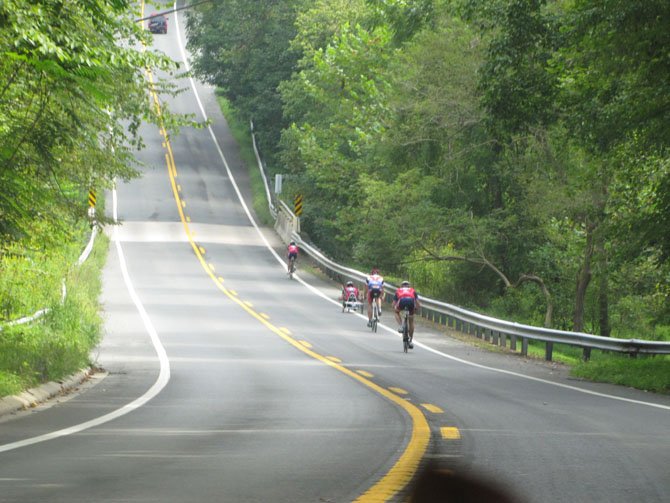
column 242, row 135
column 59, row 343
column 646, row 373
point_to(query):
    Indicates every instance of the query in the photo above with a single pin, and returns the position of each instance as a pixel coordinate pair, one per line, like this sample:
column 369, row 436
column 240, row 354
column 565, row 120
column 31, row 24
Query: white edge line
column 161, row 382
column 314, row 290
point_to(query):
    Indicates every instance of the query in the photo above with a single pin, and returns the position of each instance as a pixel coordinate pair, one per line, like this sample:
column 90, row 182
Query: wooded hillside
column 506, row 155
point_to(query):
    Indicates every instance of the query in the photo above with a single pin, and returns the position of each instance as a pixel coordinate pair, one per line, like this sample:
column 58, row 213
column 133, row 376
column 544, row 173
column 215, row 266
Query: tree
column 67, row 84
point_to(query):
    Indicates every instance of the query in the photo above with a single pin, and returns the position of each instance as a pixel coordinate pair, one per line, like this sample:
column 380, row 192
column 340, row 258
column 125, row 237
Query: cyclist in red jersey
column 406, row 297
column 292, row 252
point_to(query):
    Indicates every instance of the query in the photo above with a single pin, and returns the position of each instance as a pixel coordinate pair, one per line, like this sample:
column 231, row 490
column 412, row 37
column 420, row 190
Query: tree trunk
column 583, row 280
column 603, row 291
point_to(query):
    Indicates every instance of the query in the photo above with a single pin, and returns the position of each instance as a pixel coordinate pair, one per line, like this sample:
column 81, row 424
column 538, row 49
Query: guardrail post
column 503, row 340
column 495, row 337
column 549, row 351
column 586, row 354
column 512, row 342
column 487, row 334
column 524, row 346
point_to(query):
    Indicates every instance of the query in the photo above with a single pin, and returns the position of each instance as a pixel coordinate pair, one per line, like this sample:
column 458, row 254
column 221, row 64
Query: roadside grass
column 649, row 373
column 59, row 343
column 242, row 135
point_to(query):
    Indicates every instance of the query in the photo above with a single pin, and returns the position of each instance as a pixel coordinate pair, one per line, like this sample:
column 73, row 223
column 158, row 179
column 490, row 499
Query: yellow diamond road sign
column 297, row 205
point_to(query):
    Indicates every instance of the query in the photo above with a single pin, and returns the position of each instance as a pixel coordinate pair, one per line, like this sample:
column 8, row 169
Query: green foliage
column 651, row 373
column 466, row 143
column 60, row 342
column 242, row 47
column 73, row 96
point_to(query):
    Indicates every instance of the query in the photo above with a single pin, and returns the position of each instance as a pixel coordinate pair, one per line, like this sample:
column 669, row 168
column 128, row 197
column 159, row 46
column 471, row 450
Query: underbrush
column 59, row 343
column 650, row 373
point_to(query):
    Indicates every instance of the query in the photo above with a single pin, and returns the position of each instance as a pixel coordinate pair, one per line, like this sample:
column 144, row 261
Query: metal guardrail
column 496, row 331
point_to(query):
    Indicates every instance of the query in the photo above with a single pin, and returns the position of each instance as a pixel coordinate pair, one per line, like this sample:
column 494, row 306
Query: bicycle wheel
column 405, row 336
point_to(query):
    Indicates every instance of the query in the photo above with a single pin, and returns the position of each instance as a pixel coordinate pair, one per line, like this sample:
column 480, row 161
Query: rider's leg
column 411, row 326
column 396, row 313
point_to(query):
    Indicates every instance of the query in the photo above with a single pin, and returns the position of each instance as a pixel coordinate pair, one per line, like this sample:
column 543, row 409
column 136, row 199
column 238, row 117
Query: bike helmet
column 404, row 283
column 350, row 283
column 292, row 243
column 374, row 271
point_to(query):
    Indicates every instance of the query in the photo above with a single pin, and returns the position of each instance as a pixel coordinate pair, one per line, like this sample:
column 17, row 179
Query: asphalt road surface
column 225, row 381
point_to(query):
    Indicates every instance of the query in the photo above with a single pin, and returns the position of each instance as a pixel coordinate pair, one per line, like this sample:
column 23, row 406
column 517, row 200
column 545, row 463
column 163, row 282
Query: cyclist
column 406, row 297
column 349, row 293
column 292, row 253
column 374, row 289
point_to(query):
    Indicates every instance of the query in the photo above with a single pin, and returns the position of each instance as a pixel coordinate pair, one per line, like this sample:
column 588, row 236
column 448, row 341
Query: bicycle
column 406, row 339
column 291, row 267
column 375, row 315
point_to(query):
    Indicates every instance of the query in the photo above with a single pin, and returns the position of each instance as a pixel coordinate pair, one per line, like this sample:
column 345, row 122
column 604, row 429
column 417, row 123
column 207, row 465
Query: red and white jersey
column 405, row 292
column 375, row 282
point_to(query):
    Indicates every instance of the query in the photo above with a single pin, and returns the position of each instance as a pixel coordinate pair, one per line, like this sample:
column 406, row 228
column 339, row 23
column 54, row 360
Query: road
column 226, row 381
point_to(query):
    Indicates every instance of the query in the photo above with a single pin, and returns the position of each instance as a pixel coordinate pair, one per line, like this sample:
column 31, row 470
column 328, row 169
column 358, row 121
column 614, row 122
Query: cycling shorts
column 294, row 255
column 405, row 302
column 373, row 294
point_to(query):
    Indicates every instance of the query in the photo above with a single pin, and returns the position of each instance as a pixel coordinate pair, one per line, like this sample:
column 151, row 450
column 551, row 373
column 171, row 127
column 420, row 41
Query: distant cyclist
column 374, row 289
column 349, row 293
column 292, row 253
column 406, row 297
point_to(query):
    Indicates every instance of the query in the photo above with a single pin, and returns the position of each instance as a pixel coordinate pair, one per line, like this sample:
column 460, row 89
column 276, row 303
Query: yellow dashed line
column 334, row 359
column 212, row 268
column 432, row 408
column 365, row 373
column 183, row 203
column 220, row 279
column 265, row 316
column 450, row 433
column 400, row 391
column 305, row 343
column 402, row 471
column 249, row 304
